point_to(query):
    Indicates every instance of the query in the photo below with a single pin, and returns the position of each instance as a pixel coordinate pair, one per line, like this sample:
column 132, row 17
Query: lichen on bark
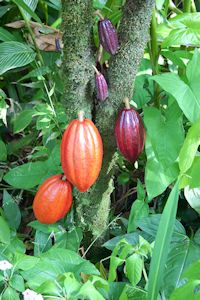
column 93, row 206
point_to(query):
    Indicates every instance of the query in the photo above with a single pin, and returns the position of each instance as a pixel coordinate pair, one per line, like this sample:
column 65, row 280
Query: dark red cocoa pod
column 101, row 86
column 130, row 134
column 108, row 36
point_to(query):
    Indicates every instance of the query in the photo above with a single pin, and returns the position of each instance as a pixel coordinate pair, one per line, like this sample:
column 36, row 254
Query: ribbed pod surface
column 130, row 134
column 81, row 153
column 52, row 200
column 108, row 36
column 101, row 87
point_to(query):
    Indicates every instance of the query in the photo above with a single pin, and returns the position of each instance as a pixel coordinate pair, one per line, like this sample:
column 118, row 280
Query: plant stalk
column 154, row 56
column 186, row 5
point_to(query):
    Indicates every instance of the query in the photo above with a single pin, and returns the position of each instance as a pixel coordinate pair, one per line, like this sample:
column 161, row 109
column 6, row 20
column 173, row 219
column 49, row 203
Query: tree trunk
column 93, row 206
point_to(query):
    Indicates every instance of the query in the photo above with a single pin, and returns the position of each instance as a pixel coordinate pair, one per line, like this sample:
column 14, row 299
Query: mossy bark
column 93, row 206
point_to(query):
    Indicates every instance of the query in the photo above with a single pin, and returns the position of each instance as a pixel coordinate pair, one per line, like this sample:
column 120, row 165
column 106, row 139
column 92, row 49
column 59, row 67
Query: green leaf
column 24, row 262
column 193, row 198
column 88, row 291
column 134, row 266
column 193, row 272
column 139, row 210
column 131, row 238
column 17, row 282
column 71, row 285
column 193, row 73
column 11, row 210
column 32, row 4
column 99, row 4
column 55, row 262
column 4, row 9
column 6, row 36
column 3, row 151
column 191, row 177
column 133, row 293
column 14, row 55
column 26, row 176
column 39, row 72
column 185, row 30
column 159, row 4
column 189, row 148
column 22, row 5
column 42, row 242
column 4, row 231
column 150, row 226
column 157, row 178
column 189, row 290
column 140, row 191
column 23, row 120
column 115, row 262
column 162, row 243
column 187, row 101
column 10, row 294
column 181, row 255
column 166, row 135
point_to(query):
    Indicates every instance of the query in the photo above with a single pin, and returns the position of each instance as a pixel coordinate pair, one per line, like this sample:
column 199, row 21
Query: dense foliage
column 151, row 248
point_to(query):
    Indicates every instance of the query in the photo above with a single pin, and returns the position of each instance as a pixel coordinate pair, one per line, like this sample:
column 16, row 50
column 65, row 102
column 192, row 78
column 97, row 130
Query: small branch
column 98, row 13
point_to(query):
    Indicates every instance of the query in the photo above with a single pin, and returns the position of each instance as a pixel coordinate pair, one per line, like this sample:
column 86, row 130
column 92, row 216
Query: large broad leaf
column 166, row 134
column 32, row 4
column 189, row 148
column 11, row 210
column 139, row 210
column 185, row 30
column 23, row 120
column 3, row 151
column 6, row 36
column 150, row 225
column 193, row 73
column 131, row 238
column 157, row 178
column 162, row 244
column 26, row 176
column 4, row 231
column 26, row 10
column 191, row 177
column 182, row 92
column 190, row 290
column 180, row 257
column 56, row 262
column 14, row 55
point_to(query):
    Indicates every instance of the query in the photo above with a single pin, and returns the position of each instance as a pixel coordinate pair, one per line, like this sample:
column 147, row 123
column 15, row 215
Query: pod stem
column 100, row 52
column 127, row 104
column 97, row 13
column 63, row 178
column 97, row 71
column 81, row 116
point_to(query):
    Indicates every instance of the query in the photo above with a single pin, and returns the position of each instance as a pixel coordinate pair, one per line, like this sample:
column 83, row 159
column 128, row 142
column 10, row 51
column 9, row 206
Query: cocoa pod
column 108, row 36
column 101, row 86
column 130, row 134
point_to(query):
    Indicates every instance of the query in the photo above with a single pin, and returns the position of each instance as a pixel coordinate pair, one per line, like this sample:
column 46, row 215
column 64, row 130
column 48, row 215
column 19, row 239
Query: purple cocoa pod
column 108, row 36
column 101, row 86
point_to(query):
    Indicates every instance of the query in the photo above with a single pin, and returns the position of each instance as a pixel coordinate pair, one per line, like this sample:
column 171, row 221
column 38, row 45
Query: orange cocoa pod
column 81, row 153
column 52, row 200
